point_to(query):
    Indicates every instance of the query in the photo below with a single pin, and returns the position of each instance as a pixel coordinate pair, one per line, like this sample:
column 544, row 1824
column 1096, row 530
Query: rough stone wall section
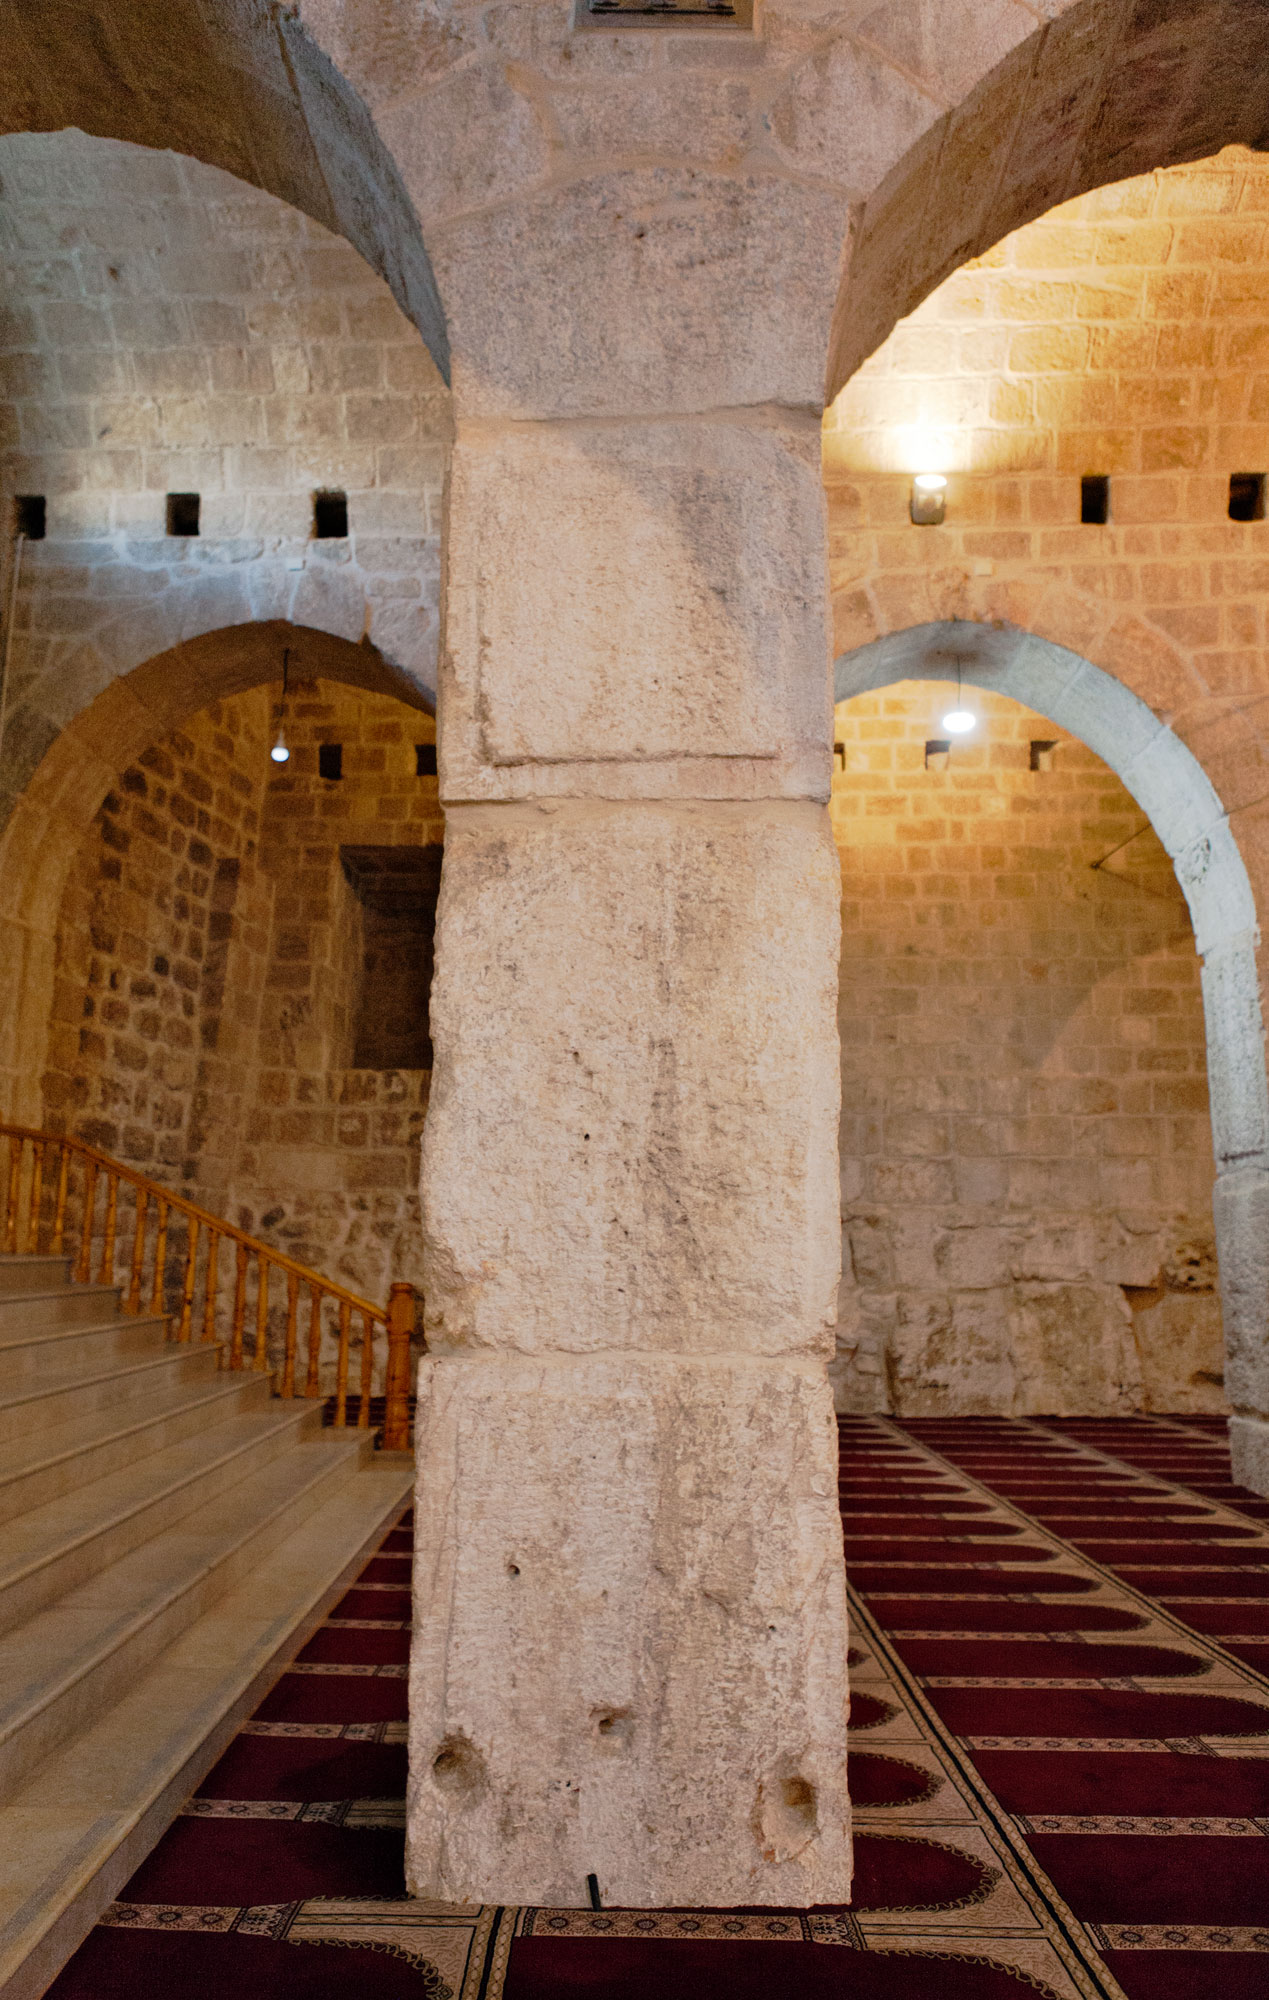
column 166, row 328
column 162, row 925
column 208, row 974
column 328, row 1165
column 1026, row 1151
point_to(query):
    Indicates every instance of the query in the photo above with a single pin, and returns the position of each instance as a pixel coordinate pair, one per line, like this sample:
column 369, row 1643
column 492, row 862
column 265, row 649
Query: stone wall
column 209, row 973
column 329, row 1162
column 1026, row 1154
column 1119, row 335
column 162, row 944
column 168, row 329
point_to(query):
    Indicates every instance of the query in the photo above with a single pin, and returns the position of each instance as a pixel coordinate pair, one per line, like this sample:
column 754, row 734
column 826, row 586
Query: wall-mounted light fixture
column 927, row 503
column 959, row 720
column 280, row 752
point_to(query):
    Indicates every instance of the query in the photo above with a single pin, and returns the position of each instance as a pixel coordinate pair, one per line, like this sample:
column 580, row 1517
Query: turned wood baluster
column 209, row 1285
column 367, row 1370
column 262, row 1314
column 396, row 1386
column 240, row 1309
column 288, row 1361
column 83, row 1264
column 191, row 1269
column 341, row 1373
column 312, row 1384
column 138, row 1252
column 109, row 1230
column 11, row 1207
column 37, row 1195
column 158, row 1294
column 59, row 1208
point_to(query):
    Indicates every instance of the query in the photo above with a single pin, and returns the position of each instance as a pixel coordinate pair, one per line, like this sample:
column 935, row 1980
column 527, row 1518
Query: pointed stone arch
column 56, row 808
column 1175, row 793
column 240, row 85
column 1105, row 90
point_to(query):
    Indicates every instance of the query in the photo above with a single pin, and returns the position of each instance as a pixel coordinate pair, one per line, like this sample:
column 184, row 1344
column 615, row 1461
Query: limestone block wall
column 328, row 1164
column 166, row 328
column 162, row 944
column 1026, row 1152
column 1118, row 335
column 208, row 978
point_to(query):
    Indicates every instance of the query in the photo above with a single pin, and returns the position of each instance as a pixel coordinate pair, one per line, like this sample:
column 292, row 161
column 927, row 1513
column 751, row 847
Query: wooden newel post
column 396, row 1414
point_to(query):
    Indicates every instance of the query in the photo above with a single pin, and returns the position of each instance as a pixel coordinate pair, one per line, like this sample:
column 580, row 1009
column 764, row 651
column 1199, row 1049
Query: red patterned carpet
column 1060, row 1767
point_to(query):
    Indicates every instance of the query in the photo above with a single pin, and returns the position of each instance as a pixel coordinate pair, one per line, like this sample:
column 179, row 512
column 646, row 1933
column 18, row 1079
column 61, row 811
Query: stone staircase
column 170, row 1535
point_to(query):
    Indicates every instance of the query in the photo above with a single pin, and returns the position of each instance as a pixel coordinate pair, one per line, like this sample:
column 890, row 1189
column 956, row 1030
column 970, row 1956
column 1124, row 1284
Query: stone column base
column 1249, row 1452
column 630, row 1633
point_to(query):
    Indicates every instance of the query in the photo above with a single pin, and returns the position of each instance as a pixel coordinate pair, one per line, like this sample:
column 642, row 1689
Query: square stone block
column 636, row 595
column 629, row 1653
column 643, row 288
column 632, row 1136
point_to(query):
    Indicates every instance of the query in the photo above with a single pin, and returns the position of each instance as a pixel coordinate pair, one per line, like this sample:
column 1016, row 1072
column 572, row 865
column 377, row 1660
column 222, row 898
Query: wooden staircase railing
column 54, row 1206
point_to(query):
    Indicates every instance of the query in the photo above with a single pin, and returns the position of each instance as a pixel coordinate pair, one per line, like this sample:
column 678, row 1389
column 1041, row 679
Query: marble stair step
column 57, row 1547
column 51, row 1461
column 35, row 1273
column 50, row 1398
column 94, row 1807
column 63, row 1665
column 30, row 1316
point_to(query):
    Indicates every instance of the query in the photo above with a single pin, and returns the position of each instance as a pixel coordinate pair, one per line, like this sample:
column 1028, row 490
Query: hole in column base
column 458, row 1767
column 786, row 1813
column 613, row 1725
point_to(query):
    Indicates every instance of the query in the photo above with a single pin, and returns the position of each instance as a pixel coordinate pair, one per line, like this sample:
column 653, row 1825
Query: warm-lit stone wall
column 162, row 944
column 328, row 1166
column 1121, row 335
column 167, row 329
column 210, row 976
column 1026, row 1156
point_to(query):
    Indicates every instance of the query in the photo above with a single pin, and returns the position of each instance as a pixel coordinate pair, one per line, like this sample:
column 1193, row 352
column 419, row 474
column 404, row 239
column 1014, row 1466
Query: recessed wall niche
column 397, row 889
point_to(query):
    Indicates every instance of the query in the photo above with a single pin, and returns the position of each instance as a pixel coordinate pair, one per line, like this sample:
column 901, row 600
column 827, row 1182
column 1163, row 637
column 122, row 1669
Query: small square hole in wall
column 330, row 760
column 330, row 516
column 1094, row 499
column 839, row 756
column 1246, row 496
column 1042, row 750
column 937, row 751
column 30, row 515
column 425, row 760
column 183, row 510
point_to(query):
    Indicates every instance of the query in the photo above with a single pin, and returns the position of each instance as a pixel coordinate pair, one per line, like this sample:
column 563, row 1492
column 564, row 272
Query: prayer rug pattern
column 1060, row 1780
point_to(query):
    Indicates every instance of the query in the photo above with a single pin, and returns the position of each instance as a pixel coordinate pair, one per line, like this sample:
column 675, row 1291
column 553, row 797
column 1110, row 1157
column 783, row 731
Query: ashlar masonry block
column 635, row 600
column 632, row 1135
column 630, row 1625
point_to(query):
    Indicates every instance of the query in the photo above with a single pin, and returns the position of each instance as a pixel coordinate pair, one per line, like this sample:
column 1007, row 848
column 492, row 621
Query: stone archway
column 1172, row 789
column 243, row 88
column 57, row 806
column 1097, row 94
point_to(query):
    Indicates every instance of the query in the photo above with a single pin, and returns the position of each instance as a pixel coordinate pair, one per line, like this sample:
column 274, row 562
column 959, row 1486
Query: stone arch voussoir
column 238, row 84
column 1103, row 91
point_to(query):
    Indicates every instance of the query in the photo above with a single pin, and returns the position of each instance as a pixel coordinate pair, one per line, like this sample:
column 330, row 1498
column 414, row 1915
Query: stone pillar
column 1240, row 1198
column 630, row 1637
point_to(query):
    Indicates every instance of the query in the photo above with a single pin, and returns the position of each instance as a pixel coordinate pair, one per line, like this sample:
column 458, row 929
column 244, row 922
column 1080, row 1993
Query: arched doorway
column 55, row 809
column 1190, row 821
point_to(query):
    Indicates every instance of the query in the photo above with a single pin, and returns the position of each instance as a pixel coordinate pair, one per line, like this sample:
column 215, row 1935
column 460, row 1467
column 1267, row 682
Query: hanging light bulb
column 959, row 720
column 280, row 753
